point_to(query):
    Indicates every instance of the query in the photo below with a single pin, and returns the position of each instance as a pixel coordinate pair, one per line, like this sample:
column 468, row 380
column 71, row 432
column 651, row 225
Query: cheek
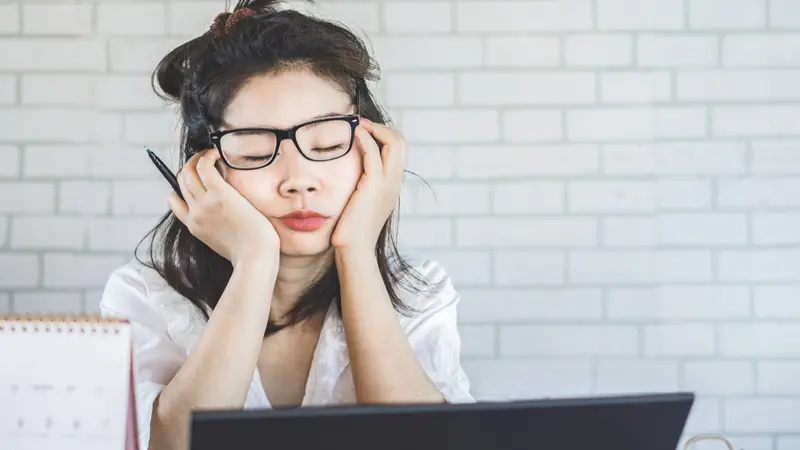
column 258, row 189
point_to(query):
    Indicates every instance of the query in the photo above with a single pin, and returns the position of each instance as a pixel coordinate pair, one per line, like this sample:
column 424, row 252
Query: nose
column 298, row 175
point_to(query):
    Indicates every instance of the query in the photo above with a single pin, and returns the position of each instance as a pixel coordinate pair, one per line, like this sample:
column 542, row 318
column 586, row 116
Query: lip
column 304, row 220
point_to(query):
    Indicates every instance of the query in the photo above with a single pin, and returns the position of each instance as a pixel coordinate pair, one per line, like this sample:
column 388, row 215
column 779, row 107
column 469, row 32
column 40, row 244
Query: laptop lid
column 632, row 422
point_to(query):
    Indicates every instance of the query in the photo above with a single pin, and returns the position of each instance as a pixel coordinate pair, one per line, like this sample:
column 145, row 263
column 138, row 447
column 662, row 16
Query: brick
column 10, row 18
column 519, row 88
column 625, row 376
column 420, row 89
column 742, row 85
column 521, row 268
column 476, row 340
column 610, row 196
column 568, row 340
column 522, row 51
column 125, row 92
column 447, row 199
column 776, row 301
column 767, row 50
column 523, row 16
column 18, row 197
column 47, row 302
column 84, row 197
column 683, row 194
column 138, row 19
column 679, row 302
column 55, row 161
column 762, row 340
column 150, row 128
column 118, row 234
column 640, row 14
column 63, row 125
column 676, row 51
column 775, row 157
column 466, row 268
column 704, row 417
column 757, row 192
column 639, row 267
column 18, row 270
column 541, row 304
column 634, row 87
column 402, row 53
column 706, row 229
column 718, row 377
column 416, row 17
column 47, row 233
column 769, row 415
column 138, row 54
column 758, row 265
column 718, row 15
column 139, row 197
column 629, row 232
column 362, row 17
column 528, row 197
column 776, row 228
column 64, row 270
column 4, row 230
column 778, row 377
column 91, row 301
column 787, row 442
column 451, row 126
column 525, row 232
column 5, row 304
column 597, row 50
column 53, row 90
column 784, row 14
column 53, row 54
column 522, row 161
column 431, row 162
column 679, row 340
column 517, row 126
column 11, row 161
column 107, row 127
column 57, row 19
column 191, row 18
column 518, row 379
column 8, row 89
column 769, row 121
column 126, row 163
column 636, row 123
column 426, row 232
column 675, row 158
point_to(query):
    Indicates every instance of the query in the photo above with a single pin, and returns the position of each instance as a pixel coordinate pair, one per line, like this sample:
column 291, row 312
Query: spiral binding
column 60, row 324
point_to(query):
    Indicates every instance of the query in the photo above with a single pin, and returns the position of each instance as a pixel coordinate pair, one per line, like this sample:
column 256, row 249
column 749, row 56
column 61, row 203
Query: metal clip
column 708, row 437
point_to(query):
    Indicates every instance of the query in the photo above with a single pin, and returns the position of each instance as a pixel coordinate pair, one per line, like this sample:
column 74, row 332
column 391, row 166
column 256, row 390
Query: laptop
column 628, row 422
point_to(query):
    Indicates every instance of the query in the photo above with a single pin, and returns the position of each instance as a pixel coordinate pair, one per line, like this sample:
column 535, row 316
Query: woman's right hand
column 219, row 215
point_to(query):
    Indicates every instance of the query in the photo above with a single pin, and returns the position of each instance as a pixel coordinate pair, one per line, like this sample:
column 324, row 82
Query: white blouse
column 166, row 326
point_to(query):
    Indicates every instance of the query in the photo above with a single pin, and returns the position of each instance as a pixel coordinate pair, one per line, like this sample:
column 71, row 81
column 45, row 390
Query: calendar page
column 65, row 384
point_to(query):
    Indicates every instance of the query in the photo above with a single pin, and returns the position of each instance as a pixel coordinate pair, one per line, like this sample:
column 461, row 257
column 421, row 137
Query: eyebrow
column 318, row 116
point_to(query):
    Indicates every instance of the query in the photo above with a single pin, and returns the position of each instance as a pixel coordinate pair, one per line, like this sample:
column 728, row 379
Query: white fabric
column 166, row 326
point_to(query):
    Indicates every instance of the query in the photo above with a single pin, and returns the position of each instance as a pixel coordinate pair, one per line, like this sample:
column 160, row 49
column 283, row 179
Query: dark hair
column 202, row 76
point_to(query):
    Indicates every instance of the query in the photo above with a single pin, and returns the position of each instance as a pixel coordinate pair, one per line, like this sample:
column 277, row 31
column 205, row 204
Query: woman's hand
column 378, row 189
column 219, row 215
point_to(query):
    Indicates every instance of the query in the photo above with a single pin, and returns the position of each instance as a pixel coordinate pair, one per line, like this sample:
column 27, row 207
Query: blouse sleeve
column 435, row 338
column 156, row 357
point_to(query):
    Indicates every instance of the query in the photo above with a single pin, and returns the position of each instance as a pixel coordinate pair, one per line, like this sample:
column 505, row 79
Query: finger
column 370, row 152
column 393, row 153
column 207, row 170
column 190, row 179
column 187, row 194
column 178, row 207
column 382, row 133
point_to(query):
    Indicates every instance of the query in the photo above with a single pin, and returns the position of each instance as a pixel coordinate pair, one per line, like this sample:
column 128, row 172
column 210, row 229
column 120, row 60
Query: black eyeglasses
column 323, row 139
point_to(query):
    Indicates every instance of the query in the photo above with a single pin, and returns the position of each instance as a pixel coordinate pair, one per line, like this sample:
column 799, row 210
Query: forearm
column 385, row 368
column 218, row 372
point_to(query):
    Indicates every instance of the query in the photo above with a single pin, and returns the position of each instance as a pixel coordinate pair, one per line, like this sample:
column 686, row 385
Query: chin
column 304, row 244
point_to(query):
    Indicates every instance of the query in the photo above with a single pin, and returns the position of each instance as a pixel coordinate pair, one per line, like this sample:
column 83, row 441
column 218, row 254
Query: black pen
column 170, row 177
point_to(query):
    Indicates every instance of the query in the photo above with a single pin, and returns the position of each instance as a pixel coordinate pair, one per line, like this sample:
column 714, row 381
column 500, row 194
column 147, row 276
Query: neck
column 295, row 274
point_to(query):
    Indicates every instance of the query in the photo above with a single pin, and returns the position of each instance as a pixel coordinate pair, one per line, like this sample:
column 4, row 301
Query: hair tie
column 225, row 21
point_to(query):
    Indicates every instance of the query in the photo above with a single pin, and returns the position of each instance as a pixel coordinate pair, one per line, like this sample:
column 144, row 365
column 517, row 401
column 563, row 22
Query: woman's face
column 292, row 183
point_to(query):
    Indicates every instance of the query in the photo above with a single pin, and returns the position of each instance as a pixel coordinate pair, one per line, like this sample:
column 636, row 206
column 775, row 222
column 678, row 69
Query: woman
column 275, row 281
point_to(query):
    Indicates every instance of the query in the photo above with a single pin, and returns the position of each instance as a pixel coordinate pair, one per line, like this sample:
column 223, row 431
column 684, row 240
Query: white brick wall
column 617, row 182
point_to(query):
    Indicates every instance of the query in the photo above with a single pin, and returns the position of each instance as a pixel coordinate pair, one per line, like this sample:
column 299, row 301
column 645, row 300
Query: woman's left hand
column 377, row 191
